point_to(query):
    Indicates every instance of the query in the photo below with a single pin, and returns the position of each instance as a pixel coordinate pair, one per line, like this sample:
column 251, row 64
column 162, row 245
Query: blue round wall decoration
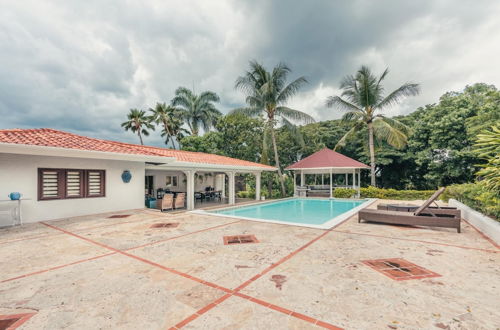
column 126, row 176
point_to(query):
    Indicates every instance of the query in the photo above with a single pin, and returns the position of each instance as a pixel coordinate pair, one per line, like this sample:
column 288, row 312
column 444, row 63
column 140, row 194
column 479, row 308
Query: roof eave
column 28, row 149
column 182, row 165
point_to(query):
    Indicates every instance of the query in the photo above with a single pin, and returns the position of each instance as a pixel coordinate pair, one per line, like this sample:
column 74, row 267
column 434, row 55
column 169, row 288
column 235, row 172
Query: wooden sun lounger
column 423, row 215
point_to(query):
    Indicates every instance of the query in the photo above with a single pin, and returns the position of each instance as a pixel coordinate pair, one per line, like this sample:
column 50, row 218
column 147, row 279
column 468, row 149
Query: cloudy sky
column 81, row 65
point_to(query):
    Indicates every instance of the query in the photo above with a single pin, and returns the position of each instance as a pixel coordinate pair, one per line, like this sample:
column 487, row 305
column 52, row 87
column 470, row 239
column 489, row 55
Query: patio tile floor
column 96, row 272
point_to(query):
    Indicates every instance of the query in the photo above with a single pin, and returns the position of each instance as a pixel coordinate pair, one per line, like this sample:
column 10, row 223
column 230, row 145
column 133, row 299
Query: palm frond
column 290, row 90
column 247, row 111
column 352, row 116
column 408, row 89
column 396, row 124
column 293, row 114
column 342, row 142
column 392, row 135
column 342, row 104
column 294, row 130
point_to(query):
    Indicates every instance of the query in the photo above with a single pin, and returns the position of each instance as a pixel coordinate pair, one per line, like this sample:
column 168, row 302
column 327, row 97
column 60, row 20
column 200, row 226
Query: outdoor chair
column 179, row 201
column 167, row 202
column 421, row 216
column 199, row 196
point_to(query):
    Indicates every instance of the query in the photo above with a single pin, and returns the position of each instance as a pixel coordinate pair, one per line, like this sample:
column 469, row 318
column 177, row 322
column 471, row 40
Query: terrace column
column 302, row 179
column 223, row 193
column 353, row 179
column 331, row 184
column 346, row 181
column 189, row 189
column 257, row 186
column 232, row 197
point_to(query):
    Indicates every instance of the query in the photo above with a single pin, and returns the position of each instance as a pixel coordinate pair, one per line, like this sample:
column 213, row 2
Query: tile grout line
column 205, row 309
column 483, row 235
column 58, row 267
column 76, row 230
column 229, row 292
column 171, row 270
column 415, row 240
column 263, row 303
column 100, row 256
column 183, row 235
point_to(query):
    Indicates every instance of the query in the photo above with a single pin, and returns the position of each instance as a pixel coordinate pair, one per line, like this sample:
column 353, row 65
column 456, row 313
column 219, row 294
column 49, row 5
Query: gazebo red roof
column 326, row 158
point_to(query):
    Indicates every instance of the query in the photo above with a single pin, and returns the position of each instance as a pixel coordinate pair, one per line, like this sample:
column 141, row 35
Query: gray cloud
column 80, row 66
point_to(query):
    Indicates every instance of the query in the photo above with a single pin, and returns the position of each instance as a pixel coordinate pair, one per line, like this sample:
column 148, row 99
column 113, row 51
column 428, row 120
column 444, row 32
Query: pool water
column 296, row 211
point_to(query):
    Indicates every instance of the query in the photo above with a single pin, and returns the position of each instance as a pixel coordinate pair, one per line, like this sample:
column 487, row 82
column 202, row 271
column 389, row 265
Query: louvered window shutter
column 74, row 183
column 50, row 184
column 95, row 183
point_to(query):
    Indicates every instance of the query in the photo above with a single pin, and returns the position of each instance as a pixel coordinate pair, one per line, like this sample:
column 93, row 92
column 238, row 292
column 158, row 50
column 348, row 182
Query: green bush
column 476, row 196
column 373, row 192
column 246, row 194
column 343, row 193
column 242, row 194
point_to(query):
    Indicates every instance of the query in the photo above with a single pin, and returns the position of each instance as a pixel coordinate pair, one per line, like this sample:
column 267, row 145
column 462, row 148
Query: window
column 70, row 183
column 95, row 183
column 171, row 180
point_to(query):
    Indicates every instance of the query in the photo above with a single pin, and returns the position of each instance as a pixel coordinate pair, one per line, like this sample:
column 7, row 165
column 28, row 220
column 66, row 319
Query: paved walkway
column 148, row 270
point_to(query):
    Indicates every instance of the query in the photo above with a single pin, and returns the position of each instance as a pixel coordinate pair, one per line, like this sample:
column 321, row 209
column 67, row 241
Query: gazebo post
column 331, row 186
column 346, row 181
column 353, row 179
column 302, row 180
column 359, row 183
column 294, row 184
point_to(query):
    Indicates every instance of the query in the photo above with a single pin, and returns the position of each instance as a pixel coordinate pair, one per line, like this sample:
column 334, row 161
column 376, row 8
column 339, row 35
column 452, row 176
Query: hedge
column 476, row 196
column 373, row 192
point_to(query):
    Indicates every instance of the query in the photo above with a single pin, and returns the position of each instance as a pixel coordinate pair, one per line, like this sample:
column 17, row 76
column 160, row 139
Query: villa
column 89, row 254
column 61, row 174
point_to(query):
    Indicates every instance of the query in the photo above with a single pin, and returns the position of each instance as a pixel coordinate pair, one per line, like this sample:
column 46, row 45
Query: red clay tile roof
column 326, row 158
column 53, row 138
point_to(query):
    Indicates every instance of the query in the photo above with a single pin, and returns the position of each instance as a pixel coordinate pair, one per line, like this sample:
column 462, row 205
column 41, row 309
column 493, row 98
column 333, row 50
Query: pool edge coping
column 326, row 225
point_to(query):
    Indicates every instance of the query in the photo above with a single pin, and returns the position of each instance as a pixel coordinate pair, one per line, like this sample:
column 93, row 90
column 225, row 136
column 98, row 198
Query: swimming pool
column 308, row 212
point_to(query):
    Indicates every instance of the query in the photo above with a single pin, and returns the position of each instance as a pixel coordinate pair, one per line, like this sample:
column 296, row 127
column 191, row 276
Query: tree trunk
column 140, row 136
column 372, row 153
column 270, row 187
column 277, row 162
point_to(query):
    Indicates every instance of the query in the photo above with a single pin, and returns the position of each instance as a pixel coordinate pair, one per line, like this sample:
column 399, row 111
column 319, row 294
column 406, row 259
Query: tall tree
column 363, row 98
column 267, row 94
column 197, row 110
column 138, row 123
column 171, row 119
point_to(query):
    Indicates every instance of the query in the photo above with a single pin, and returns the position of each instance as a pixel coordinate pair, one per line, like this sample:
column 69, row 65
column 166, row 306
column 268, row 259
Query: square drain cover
column 116, row 216
column 165, row 225
column 240, row 239
column 399, row 269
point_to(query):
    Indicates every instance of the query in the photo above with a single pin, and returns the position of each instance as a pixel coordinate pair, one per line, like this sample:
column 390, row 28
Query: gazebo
column 326, row 165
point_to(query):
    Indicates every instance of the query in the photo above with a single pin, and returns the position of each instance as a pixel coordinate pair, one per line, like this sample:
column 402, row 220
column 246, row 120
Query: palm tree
column 138, row 122
column 165, row 115
column 175, row 131
column 363, row 98
column 488, row 148
column 197, row 110
column 267, row 93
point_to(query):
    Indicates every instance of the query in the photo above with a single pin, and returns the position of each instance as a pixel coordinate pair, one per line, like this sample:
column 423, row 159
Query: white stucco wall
column 20, row 173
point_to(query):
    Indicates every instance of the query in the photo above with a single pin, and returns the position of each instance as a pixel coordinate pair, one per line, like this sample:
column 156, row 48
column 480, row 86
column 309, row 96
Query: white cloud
column 80, row 66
